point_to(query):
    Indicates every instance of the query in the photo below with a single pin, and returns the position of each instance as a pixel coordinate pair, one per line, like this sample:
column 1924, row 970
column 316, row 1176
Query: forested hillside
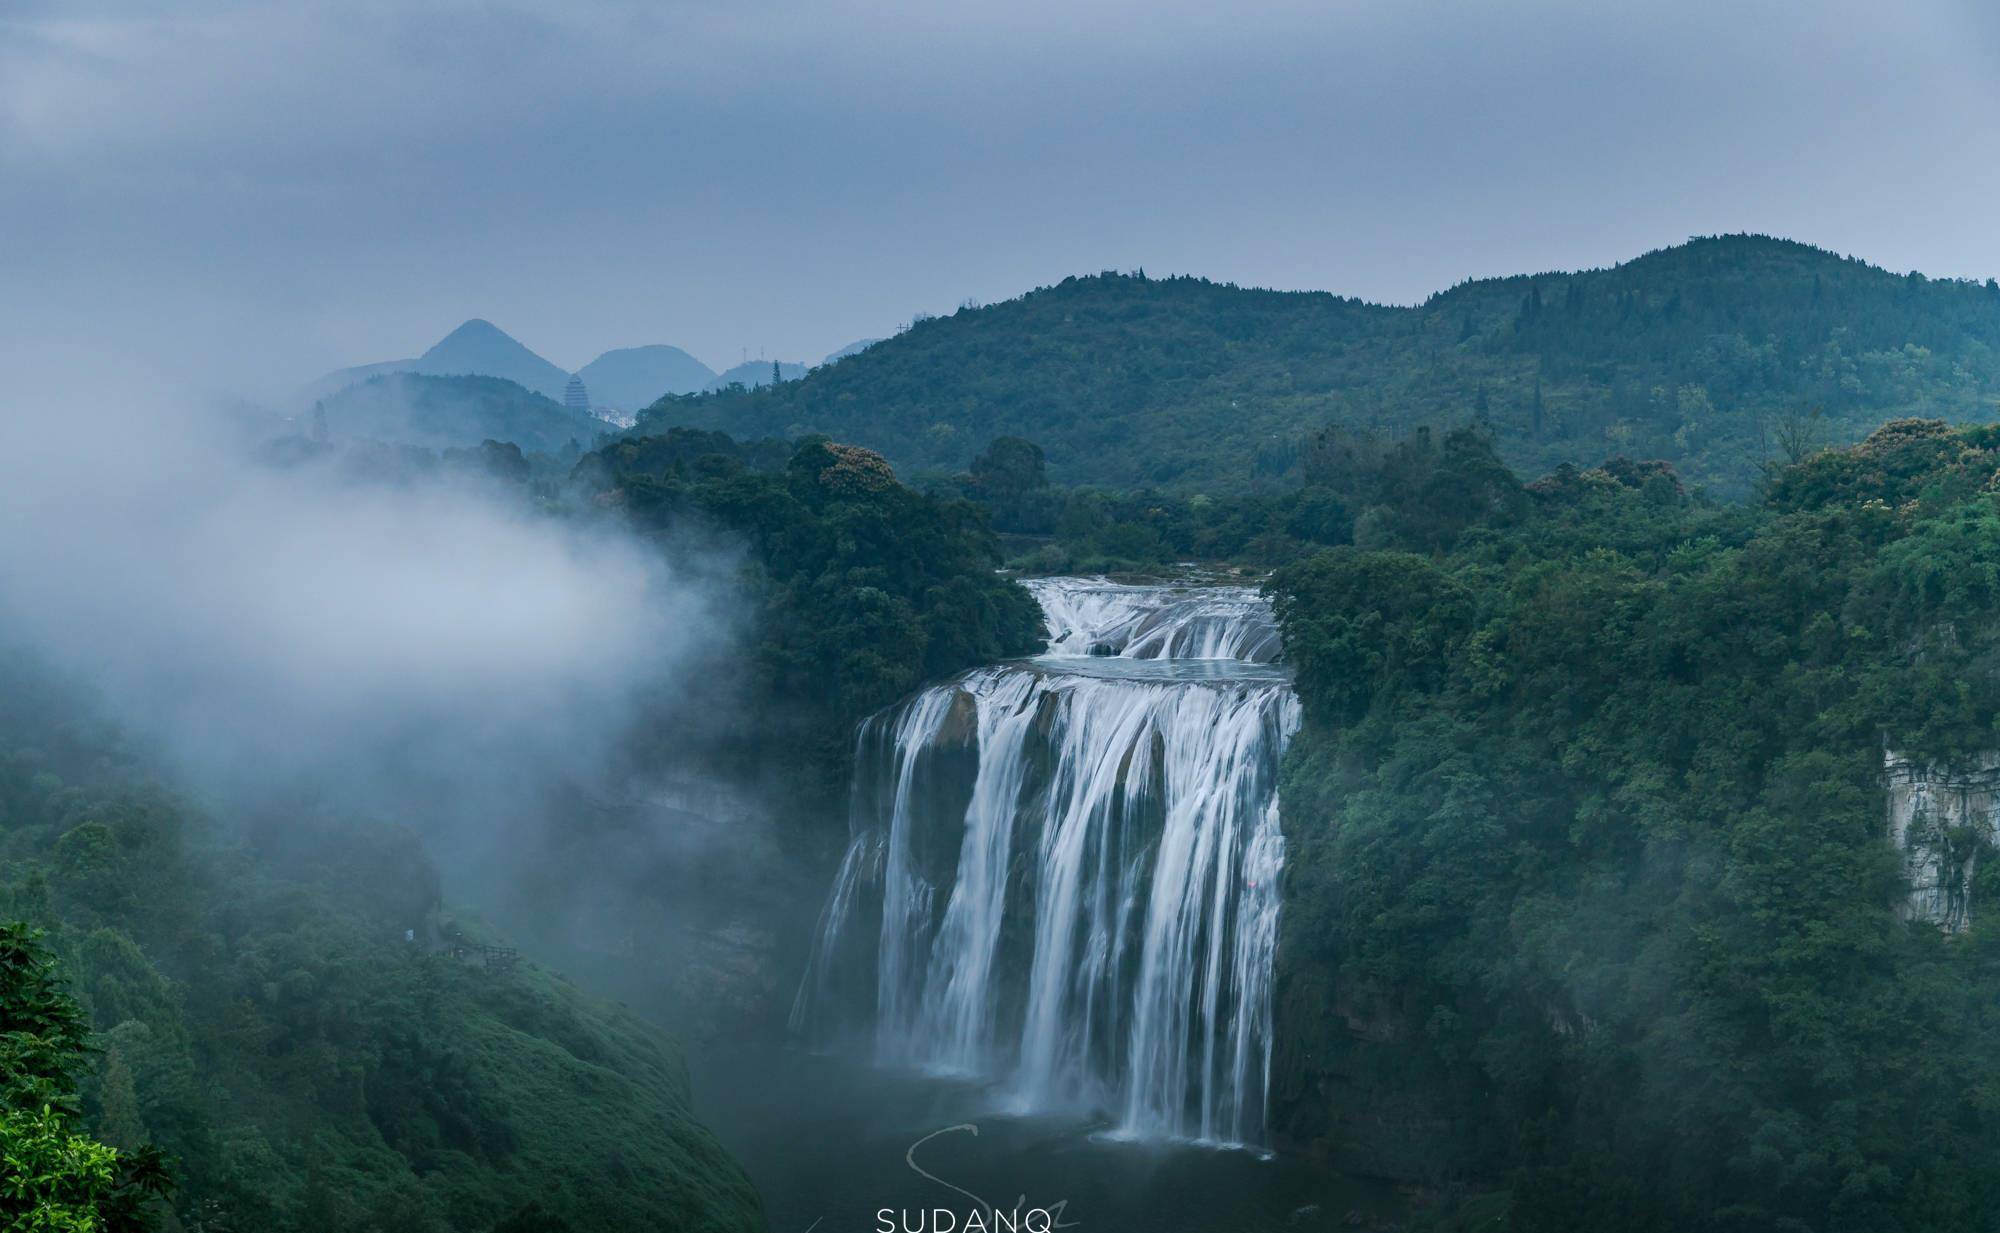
column 288, row 1005
column 1587, row 862
column 1715, row 355
column 289, row 1011
column 861, row 588
column 448, row 412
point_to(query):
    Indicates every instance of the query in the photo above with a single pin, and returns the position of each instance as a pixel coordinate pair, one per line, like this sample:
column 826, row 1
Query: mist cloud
column 267, row 626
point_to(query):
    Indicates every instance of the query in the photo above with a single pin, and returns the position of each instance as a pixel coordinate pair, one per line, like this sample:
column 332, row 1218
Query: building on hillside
column 575, row 397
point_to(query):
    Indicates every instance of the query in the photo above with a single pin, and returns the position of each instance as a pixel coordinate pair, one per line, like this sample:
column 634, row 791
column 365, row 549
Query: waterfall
column 1063, row 871
column 1090, row 616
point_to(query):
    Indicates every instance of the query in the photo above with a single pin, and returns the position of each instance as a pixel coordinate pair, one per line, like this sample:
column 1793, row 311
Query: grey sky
column 264, row 191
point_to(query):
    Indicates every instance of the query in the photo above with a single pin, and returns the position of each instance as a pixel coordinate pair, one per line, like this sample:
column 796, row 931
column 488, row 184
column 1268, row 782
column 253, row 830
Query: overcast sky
column 258, row 192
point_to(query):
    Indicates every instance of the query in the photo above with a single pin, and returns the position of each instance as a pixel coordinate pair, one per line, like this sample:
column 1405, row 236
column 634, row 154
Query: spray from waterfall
column 1063, row 872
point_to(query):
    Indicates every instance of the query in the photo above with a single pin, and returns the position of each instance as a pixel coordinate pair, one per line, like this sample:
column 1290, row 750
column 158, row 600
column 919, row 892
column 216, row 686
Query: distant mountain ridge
column 629, row 378
column 624, row 379
column 478, row 348
column 341, row 378
column 854, row 348
column 481, row 349
column 1699, row 354
column 411, row 408
column 754, row 373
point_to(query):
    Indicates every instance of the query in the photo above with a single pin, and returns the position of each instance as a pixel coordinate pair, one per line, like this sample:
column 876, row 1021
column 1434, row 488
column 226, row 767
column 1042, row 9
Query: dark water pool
column 832, row 1143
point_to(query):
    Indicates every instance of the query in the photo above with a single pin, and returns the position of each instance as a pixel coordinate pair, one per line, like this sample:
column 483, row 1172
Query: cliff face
column 1939, row 818
column 1353, row 1084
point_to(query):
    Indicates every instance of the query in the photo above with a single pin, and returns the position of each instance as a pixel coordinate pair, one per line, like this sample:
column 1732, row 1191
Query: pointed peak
column 482, row 337
column 482, row 348
column 476, row 327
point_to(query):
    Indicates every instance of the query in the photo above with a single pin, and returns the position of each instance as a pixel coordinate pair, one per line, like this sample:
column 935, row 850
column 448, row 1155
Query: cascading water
column 1063, row 874
column 1090, row 616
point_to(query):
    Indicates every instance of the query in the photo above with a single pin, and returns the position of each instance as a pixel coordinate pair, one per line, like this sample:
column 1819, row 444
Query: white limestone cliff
column 1939, row 818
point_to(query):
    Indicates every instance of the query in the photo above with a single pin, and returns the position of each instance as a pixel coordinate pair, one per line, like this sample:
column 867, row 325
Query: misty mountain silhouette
column 625, row 378
column 459, row 411
column 339, row 379
column 477, row 348
column 854, row 348
column 629, row 378
column 481, row 349
column 753, row 373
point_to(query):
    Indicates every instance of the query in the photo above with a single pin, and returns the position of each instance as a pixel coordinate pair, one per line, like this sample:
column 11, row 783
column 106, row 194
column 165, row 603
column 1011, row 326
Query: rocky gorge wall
column 1940, row 818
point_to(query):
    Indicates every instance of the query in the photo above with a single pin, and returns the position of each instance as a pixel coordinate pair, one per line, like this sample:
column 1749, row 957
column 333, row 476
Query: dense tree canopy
column 52, row 1177
column 1589, row 915
column 1702, row 354
column 1589, row 903
column 285, row 1003
column 1366, row 488
column 284, row 1006
column 859, row 588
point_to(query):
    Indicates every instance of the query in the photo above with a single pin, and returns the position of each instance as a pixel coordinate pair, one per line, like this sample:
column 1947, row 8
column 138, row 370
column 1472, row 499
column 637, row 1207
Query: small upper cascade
column 1095, row 616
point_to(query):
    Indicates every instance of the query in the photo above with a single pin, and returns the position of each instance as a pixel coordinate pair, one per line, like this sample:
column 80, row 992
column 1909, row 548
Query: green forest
column 862, row 588
column 281, row 1017
column 1585, row 822
column 1712, row 355
column 284, row 1008
column 1590, row 917
column 1091, row 617
column 1364, row 488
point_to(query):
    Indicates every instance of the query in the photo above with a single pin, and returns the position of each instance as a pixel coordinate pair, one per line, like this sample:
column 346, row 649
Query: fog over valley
column 848, row 618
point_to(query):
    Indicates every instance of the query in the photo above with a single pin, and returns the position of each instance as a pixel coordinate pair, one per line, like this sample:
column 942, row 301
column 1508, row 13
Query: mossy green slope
column 1700, row 354
column 1590, row 901
column 264, row 1019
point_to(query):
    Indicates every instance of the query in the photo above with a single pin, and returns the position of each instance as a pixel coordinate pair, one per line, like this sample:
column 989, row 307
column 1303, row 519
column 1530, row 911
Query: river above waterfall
column 1160, row 620
column 1062, row 881
column 1166, row 671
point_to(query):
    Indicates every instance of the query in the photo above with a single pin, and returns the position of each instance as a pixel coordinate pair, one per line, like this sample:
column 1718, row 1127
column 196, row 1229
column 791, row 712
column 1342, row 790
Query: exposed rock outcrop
column 1939, row 819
